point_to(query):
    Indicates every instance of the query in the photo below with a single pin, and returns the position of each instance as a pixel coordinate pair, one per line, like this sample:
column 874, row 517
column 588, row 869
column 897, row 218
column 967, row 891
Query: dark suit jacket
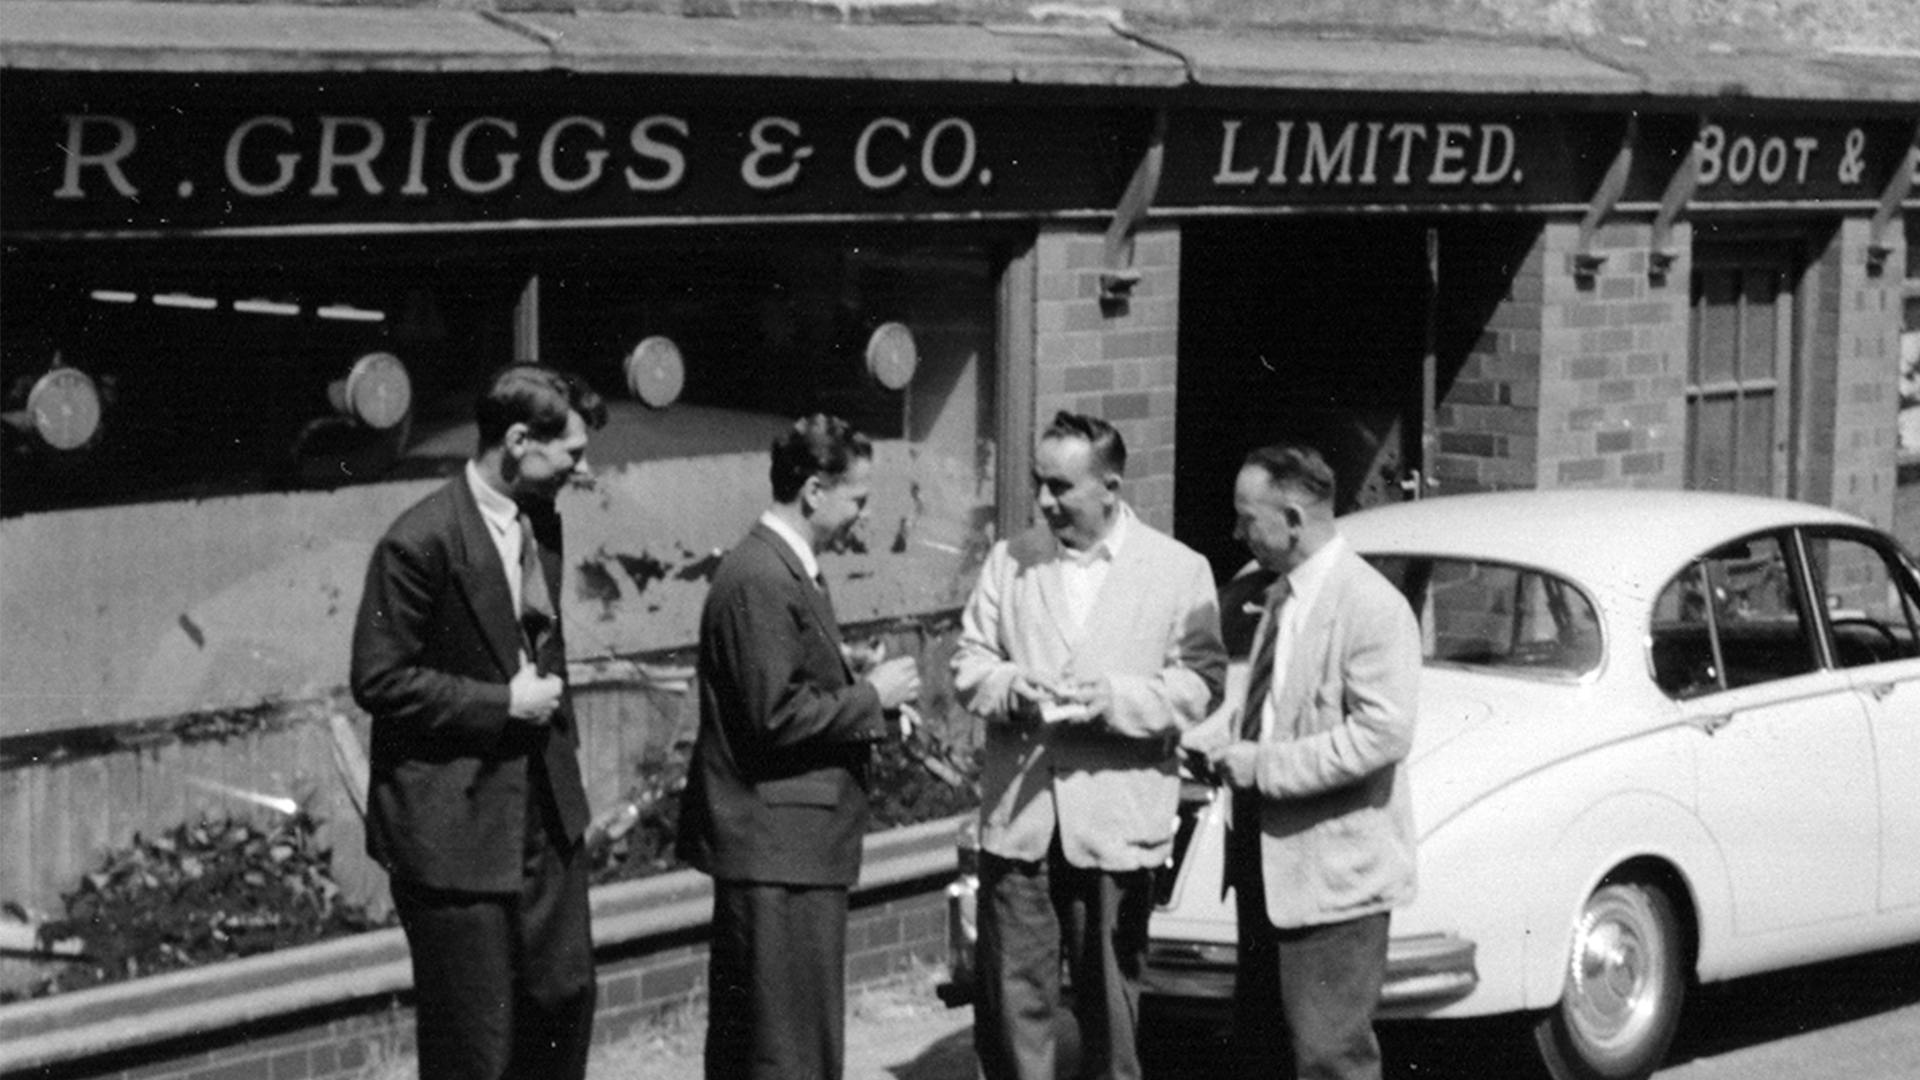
column 434, row 646
column 777, row 789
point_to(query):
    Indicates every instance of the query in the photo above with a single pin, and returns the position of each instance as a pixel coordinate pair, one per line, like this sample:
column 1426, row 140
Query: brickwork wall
column 888, row 933
column 1864, row 311
column 1613, row 364
column 1117, row 362
column 1487, row 416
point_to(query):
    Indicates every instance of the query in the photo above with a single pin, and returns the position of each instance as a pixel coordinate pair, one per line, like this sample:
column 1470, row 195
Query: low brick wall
column 338, row 1008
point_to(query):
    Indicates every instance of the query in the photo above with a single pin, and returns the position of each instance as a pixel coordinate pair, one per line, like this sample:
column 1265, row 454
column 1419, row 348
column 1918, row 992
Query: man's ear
column 810, row 493
column 515, row 440
column 1292, row 514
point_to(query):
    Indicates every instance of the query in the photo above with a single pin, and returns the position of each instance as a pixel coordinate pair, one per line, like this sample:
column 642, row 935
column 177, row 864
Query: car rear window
column 1495, row 616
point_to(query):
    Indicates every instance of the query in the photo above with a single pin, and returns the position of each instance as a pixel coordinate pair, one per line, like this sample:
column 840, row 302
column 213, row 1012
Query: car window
column 1492, row 615
column 1731, row 618
column 1869, row 596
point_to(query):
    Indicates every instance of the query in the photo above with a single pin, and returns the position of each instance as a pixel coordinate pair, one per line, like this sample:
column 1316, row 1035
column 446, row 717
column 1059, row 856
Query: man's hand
column 1237, row 763
column 1094, row 696
column 533, row 696
column 896, row 680
column 1029, row 693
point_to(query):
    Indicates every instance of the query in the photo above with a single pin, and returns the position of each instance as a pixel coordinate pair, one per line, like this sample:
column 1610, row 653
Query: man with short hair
column 1322, row 844
column 776, row 801
column 1090, row 642
column 475, row 805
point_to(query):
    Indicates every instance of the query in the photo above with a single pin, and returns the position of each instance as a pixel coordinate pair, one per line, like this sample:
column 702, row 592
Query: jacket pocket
column 800, row 791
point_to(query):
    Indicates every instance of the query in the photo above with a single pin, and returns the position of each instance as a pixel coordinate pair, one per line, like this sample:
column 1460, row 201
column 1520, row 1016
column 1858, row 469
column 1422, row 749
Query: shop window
column 1910, row 343
column 1740, row 371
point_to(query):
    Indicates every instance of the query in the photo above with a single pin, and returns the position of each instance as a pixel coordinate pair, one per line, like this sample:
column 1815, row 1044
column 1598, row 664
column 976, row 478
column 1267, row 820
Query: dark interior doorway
column 1309, row 331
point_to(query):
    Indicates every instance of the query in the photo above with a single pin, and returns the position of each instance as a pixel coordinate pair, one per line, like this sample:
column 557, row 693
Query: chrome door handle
column 1882, row 691
column 1713, row 723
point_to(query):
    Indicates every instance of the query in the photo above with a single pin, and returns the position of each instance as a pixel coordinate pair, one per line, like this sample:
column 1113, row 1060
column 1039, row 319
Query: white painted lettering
column 1406, row 135
column 1806, row 145
column 107, row 161
column 331, row 159
column 671, row 157
column 416, row 184
column 1326, row 158
column 764, row 148
column 969, row 149
column 550, row 147
column 1226, row 174
column 1713, row 147
column 1373, row 152
column 457, row 157
column 1488, row 170
column 1278, row 176
column 1740, row 158
column 863, row 154
column 1450, row 154
column 287, row 162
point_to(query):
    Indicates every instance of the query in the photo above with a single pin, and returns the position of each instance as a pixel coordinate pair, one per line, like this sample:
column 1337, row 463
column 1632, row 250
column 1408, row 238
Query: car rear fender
column 1633, row 834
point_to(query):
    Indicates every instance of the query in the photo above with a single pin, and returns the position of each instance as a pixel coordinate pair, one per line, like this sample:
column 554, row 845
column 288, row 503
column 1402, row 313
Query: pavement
column 896, row 1031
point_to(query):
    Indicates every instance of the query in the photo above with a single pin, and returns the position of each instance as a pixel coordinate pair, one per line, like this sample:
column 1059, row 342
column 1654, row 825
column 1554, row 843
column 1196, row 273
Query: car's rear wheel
column 1621, row 1004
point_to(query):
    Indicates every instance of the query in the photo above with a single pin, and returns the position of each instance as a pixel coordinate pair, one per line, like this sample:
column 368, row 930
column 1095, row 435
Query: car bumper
column 1424, row 971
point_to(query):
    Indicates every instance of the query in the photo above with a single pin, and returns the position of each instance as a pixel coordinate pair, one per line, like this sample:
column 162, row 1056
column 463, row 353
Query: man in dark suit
column 776, row 799
column 1322, row 844
column 475, row 805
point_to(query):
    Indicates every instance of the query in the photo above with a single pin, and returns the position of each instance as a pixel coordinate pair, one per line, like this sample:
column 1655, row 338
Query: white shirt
column 1082, row 573
column 800, row 547
column 502, row 516
column 1306, row 581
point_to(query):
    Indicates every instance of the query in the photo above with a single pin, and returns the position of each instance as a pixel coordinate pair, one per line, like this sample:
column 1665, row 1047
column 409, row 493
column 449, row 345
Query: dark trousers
column 503, row 984
column 1303, row 998
column 776, row 982
column 1032, row 913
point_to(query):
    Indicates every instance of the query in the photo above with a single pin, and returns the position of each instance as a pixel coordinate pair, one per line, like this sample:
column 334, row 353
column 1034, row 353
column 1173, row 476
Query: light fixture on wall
column 64, row 407
column 656, row 373
column 377, row 391
column 892, row 355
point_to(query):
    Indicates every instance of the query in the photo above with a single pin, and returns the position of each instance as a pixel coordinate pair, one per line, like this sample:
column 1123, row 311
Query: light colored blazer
column 1110, row 787
column 1336, row 816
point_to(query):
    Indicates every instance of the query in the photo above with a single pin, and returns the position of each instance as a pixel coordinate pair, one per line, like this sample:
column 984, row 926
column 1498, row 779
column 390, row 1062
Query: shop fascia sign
column 1227, row 158
column 146, row 165
column 132, row 163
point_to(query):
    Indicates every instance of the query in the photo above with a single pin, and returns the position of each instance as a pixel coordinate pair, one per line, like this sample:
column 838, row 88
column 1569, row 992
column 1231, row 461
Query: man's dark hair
column 1290, row 465
column 537, row 396
column 1109, row 449
column 817, row 445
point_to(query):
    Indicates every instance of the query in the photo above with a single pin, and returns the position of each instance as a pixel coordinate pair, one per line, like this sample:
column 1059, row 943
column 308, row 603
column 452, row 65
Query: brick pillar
column 1116, row 362
column 1864, row 310
column 1487, row 415
column 1613, row 367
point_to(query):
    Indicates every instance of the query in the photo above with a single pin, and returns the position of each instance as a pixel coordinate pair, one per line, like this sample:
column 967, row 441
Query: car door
column 1785, row 758
column 1872, row 610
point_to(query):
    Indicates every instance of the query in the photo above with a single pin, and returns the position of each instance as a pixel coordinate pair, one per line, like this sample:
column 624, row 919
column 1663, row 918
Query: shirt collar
column 1109, row 546
column 1307, row 578
column 800, row 547
column 501, row 512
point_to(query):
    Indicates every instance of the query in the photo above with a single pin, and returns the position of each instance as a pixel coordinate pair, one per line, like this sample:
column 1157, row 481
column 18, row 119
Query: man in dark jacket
column 776, row 800
column 475, row 805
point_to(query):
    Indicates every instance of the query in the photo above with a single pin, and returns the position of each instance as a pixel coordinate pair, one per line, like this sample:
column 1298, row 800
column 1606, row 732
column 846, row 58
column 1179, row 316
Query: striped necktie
column 1260, row 675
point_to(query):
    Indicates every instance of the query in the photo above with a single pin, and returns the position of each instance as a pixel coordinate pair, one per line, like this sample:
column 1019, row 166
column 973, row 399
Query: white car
column 1663, row 739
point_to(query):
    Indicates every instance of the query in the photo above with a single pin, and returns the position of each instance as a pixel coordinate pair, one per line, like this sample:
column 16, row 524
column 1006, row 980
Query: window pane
column 1753, row 455
column 1682, row 648
column 1715, row 324
column 1763, row 632
column 1489, row 615
column 1710, row 439
column 1868, row 599
column 1759, row 321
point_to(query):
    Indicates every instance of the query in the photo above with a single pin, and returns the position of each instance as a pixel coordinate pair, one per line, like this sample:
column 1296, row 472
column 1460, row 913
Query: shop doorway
column 1303, row 331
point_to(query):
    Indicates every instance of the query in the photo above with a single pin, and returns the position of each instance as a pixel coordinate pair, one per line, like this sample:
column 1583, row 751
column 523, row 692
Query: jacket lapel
column 483, row 580
column 1306, row 661
column 817, row 601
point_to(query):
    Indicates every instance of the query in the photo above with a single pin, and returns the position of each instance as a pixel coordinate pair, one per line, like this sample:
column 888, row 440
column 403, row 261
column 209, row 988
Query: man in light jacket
column 1322, row 842
column 1091, row 641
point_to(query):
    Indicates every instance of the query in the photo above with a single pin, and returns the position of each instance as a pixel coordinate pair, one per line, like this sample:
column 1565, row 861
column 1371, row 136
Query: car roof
column 1628, row 540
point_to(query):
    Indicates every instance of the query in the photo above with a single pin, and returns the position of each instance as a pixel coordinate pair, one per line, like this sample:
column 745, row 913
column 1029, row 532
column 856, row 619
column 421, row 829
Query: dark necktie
column 1260, row 673
column 536, row 600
